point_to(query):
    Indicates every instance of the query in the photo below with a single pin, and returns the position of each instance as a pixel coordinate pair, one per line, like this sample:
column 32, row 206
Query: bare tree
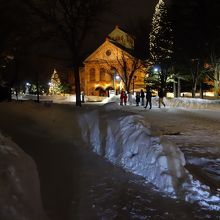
column 125, row 66
column 215, row 67
column 72, row 20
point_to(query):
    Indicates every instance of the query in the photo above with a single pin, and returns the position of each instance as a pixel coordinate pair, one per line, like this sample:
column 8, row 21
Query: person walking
column 137, row 98
column 142, row 97
column 122, row 95
column 161, row 96
column 148, row 98
column 125, row 98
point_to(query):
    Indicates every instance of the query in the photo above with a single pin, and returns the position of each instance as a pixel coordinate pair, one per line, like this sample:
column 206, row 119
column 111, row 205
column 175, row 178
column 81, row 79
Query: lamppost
column 116, row 78
column 157, row 74
column 27, row 85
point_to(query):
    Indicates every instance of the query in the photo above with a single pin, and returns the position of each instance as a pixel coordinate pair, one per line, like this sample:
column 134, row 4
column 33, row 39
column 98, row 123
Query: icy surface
column 128, row 141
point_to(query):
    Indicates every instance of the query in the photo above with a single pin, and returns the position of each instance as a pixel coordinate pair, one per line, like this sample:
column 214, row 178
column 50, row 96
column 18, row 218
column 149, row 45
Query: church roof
column 108, row 44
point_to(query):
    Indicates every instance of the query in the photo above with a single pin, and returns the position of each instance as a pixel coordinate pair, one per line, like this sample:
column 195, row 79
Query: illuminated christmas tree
column 55, row 84
column 161, row 45
column 161, row 39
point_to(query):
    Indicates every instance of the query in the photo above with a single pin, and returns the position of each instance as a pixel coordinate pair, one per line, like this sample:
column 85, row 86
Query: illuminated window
column 92, row 75
column 102, row 74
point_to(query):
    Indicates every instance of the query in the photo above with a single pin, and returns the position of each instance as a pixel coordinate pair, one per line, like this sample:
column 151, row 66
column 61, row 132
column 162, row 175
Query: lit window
column 92, row 75
column 102, row 74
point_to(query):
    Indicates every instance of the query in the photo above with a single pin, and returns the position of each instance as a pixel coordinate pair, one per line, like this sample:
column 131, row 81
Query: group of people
column 139, row 98
column 123, row 98
column 149, row 96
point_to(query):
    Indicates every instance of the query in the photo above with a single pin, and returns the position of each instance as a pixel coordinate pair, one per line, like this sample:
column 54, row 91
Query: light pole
column 27, row 85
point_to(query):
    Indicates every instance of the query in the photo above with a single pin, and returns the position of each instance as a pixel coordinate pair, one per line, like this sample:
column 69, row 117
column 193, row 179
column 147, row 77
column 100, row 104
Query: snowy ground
column 19, row 184
column 193, row 126
column 130, row 141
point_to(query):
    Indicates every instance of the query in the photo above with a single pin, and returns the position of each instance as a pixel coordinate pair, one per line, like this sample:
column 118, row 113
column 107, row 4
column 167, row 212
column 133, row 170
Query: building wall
column 95, row 80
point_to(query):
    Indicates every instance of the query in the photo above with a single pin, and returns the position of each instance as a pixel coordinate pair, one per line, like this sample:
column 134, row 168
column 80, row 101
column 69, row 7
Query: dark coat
column 148, row 94
column 160, row 93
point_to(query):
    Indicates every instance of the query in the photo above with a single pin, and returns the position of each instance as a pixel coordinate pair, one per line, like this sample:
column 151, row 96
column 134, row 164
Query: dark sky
column 133, row 16
column 129, row 15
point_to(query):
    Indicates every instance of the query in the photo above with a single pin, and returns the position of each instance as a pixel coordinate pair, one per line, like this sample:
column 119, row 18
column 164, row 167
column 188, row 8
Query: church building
column 111, row 67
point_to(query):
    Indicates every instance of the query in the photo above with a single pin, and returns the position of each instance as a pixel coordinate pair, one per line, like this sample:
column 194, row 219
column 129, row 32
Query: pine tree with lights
column 161, row 41
column 55, row 84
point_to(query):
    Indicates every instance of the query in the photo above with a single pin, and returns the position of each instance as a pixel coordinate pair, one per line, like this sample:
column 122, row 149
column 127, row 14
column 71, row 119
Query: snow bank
column 127, row 140
column 19, row 184
column 193, row 103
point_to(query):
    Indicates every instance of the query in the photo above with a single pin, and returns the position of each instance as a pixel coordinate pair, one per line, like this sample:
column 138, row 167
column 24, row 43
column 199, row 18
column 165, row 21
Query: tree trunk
column 37, row 85
column 174, row 88
column 16, row 78
column 201, row 90
column 194, row 90
column 179, row 88
column 216, row 88
column 77, row 85
column 216, row 82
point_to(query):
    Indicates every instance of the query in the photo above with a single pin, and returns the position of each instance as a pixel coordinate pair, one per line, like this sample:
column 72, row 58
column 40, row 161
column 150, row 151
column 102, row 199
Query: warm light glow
column 117, row 77
column 54, row 84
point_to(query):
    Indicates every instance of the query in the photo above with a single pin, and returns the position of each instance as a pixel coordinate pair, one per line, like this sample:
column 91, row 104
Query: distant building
column 102, row 69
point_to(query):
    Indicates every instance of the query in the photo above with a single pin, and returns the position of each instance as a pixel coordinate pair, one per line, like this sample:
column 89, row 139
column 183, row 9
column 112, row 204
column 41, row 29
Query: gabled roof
column 122, row 30
column 107, row 45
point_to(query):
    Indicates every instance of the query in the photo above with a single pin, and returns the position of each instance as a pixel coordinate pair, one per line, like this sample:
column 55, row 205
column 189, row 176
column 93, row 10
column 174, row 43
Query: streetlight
column 155, row 70
column 27, row 85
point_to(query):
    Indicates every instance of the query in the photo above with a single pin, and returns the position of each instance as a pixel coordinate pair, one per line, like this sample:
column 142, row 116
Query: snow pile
column 126, row 140
column 194, row 103
column 19, row 184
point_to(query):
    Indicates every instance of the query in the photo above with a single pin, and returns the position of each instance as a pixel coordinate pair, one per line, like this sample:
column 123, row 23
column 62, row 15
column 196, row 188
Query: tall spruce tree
column 55, row 84
column 161, row 43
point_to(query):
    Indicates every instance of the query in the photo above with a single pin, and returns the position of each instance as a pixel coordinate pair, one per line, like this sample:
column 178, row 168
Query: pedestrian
column 148, row 98
column 161, row 96
column 122, row 97
column 125, row 98
column 137, row 98
column 142, row 97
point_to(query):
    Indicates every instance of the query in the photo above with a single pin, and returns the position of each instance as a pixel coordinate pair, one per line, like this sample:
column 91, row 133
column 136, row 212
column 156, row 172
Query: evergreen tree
column 161, row 42
column 55, row 84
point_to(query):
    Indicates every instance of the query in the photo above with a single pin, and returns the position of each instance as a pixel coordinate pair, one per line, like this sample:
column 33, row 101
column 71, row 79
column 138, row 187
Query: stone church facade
column 102, row 71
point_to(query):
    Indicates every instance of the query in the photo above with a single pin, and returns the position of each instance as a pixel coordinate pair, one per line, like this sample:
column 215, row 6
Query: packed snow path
column 76, row 184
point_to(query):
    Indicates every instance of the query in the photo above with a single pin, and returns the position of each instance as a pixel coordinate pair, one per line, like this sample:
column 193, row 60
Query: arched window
column 102, row 74
column 113, row 73
column 92, row 75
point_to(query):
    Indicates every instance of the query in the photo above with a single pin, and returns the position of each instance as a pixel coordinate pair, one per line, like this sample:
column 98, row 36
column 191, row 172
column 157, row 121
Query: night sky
column 195, row 26
column 132, row 16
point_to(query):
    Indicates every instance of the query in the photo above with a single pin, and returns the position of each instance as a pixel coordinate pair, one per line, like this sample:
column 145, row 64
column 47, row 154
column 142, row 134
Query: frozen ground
column 194, row 130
